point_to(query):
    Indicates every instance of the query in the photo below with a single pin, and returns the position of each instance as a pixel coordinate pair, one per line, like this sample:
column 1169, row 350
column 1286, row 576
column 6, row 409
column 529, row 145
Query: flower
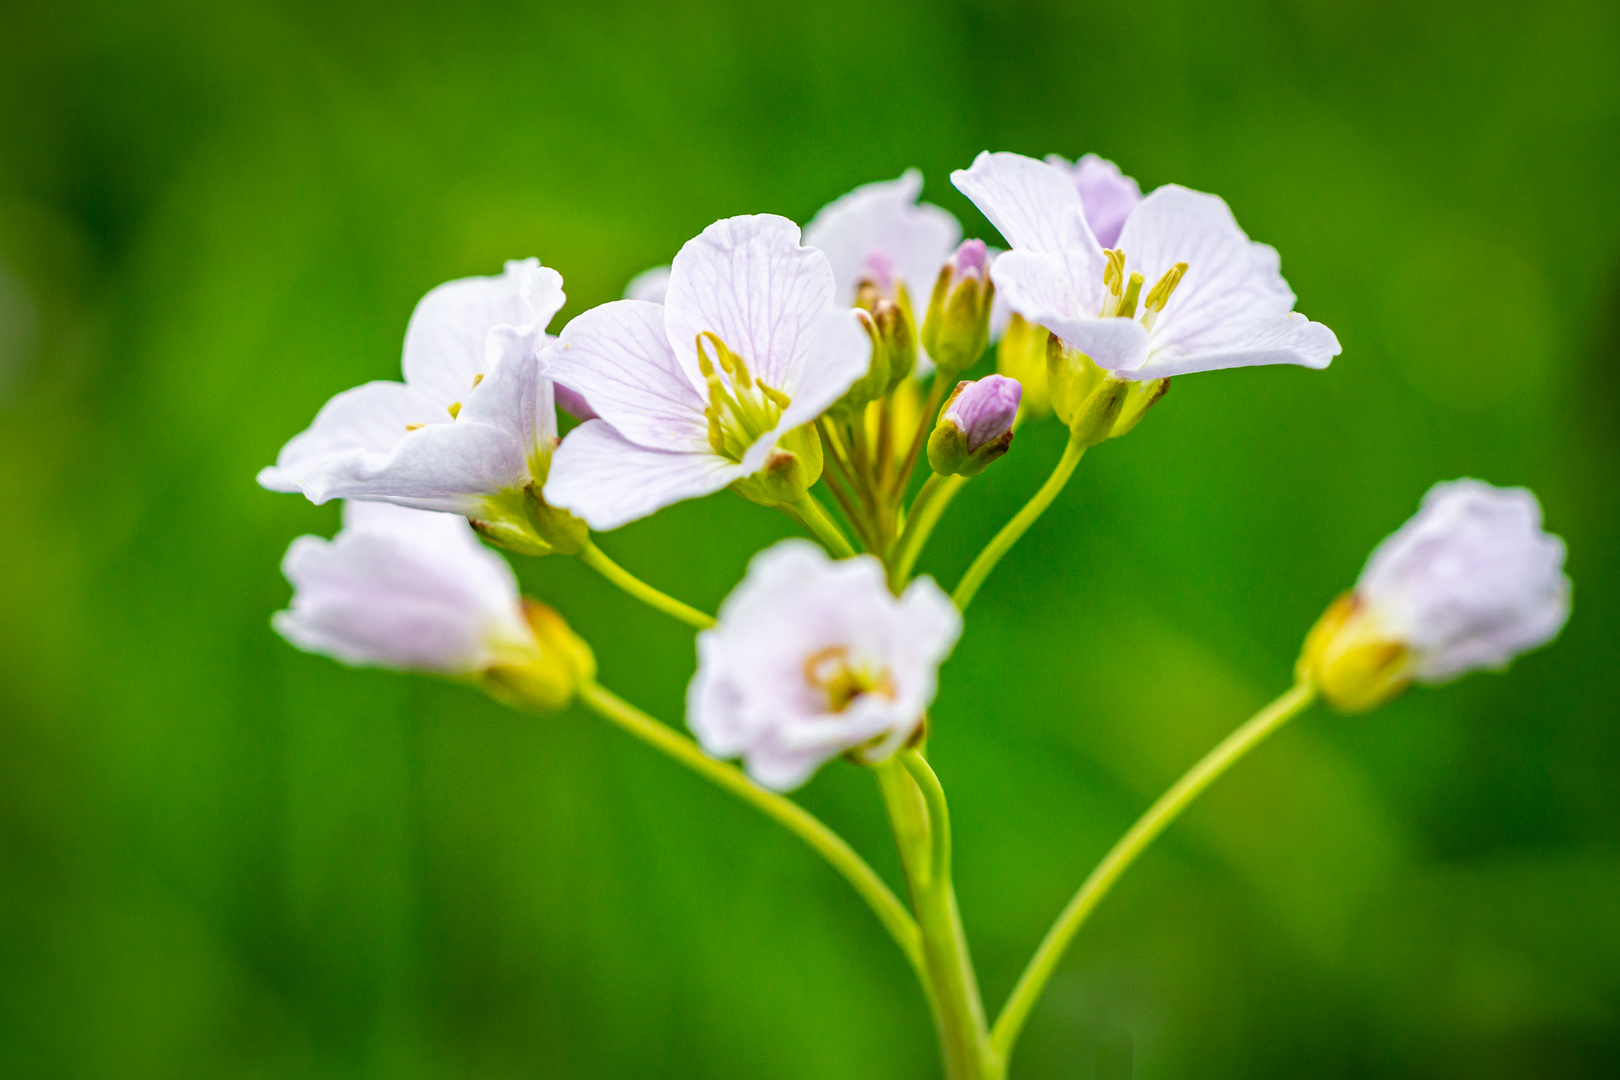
column 471, row 427
column 649, row 285
column 813, row 658
column 713, row 387
column 1107, row 196
column 416, row 591
column 975, row 426
column 1471, row 581
column 883, row 245
column 1213, row 298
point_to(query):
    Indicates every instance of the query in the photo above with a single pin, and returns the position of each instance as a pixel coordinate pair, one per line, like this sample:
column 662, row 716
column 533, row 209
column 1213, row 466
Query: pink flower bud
column 984, row 410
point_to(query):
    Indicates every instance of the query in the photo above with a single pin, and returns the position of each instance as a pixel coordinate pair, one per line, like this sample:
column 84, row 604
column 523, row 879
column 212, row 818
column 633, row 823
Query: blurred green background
column 222, row 858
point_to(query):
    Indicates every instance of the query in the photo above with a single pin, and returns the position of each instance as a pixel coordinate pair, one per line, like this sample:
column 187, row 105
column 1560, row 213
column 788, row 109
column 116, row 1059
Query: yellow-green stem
column 592, row 556
column 1168, row 807
column 809, row 513
column 1020, row 523
column 826, row 843
column 954, row 990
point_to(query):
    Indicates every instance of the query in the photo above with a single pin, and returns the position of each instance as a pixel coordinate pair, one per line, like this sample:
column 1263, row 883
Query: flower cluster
column 787, row 367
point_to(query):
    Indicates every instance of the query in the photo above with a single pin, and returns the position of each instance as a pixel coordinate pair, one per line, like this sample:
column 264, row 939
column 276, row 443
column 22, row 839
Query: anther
column 414, row 427
column 454, row 410
column 1159, row 295
column 477, row 379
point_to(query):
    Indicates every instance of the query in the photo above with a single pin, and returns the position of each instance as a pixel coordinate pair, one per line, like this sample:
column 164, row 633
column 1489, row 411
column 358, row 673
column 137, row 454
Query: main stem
column 1125, row 852
column 592, row 556
column 921, row 830
column 826, row 843
column 811, row 515
column 1020, row 523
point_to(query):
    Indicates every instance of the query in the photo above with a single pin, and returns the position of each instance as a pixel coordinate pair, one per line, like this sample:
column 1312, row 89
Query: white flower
column 879, row 234
column 404, row 589
column 1183, row 290
column 471, row 426
column 811, row 658
column 1107, row 196
column 696, row 393
column 649, row 285
column 1469, row 582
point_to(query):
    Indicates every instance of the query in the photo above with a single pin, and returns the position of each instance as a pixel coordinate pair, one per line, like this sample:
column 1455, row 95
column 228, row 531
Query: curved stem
column 810, row 514
column 936, row 494
column 826, row 843
column 925, row 424
column 592, row 556
column 1020, row 523
column 1168, row 807
column 953, row 989
column 939, row 815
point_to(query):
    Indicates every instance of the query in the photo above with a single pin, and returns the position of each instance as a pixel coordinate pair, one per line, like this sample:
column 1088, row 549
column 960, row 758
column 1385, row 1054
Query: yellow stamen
column 476, row 380
column 414, row 427
column 454, row 410
column 1133, row 289
column 1159, row 295
column 1114, row 272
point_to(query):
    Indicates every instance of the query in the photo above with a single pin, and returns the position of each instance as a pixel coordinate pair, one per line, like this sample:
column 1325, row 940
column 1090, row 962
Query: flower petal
column 515, row 397
column 617, row 357
column 370, row 418
column 1036, row 207
column 446, row 342
column 1037, row 287
column 748, row 280
column 884, row 217
column 649, row 285
column 1231, row 284
column 608, row 481
column 1292, row 339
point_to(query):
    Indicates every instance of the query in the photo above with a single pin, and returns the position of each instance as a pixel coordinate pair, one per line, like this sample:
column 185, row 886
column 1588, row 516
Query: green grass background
column 223, row 858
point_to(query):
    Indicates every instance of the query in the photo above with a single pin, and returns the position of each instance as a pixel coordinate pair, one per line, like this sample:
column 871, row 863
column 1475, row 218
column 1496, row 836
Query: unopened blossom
column 886, row 248
column 1470, row 582
column 715, row 386
column 975, row 426
column 1107, row 196
column 470, row 428
column 813, row 658
column 957, row 327
column 1182, row 290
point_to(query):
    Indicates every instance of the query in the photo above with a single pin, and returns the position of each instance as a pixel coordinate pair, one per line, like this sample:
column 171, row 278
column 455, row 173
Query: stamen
column 779, row 399
column 477, row 379
column 414, row 427
column 1133, row 289
column 830, row 672
column 1159, row 295
column 1114, row 272
column 454, row 410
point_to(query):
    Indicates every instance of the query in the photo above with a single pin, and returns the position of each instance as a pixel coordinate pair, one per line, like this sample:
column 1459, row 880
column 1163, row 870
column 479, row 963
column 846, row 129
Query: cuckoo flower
column 1183, row 290
column 416, row 591
column 813, row 658
column 714, row 386
column 1468, row 583
column 885, row 247
column 470, row 429
column 1107, row 196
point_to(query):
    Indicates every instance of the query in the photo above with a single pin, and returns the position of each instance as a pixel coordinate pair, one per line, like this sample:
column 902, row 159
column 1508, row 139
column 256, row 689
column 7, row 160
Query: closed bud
column 975, row 426
column 884, row 308
column 957, row 328
column 794, row 465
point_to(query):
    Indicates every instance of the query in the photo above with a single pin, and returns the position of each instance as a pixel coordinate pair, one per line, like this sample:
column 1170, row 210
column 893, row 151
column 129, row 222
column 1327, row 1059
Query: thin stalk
column 1168, row 807
column 836, row 438
column 856, row 520
column 954, row 995
column 925, row 424
column 806, row 826
column 592, row 556
column 1020, row 523
column 936, row 494
column 809, row 513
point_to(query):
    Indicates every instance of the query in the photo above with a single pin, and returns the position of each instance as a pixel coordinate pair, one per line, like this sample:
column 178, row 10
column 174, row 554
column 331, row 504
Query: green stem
column 1132, row 844
column 936, row 494
column 923, row 840
column 809, row 513
column 939, row 816
column 826, row 843
column 1020, row 523
column 592, row 556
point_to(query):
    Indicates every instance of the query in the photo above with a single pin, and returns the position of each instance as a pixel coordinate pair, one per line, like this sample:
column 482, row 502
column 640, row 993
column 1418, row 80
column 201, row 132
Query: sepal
column 793, row 467
column 547, row 678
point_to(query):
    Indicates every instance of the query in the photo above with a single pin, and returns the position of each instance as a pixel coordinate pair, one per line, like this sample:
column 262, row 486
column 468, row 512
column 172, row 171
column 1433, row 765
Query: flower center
column 741, row 408
column 832, row 672
column 1124, row 292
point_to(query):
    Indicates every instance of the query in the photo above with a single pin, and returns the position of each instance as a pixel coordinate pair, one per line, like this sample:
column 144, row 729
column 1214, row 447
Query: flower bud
column 1096, row 404
column 547, row 678
column 975, row 426
column 957, row 328
column 1021, row 355
column 1468, row 583
column 794, row 465
column 884, row 307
